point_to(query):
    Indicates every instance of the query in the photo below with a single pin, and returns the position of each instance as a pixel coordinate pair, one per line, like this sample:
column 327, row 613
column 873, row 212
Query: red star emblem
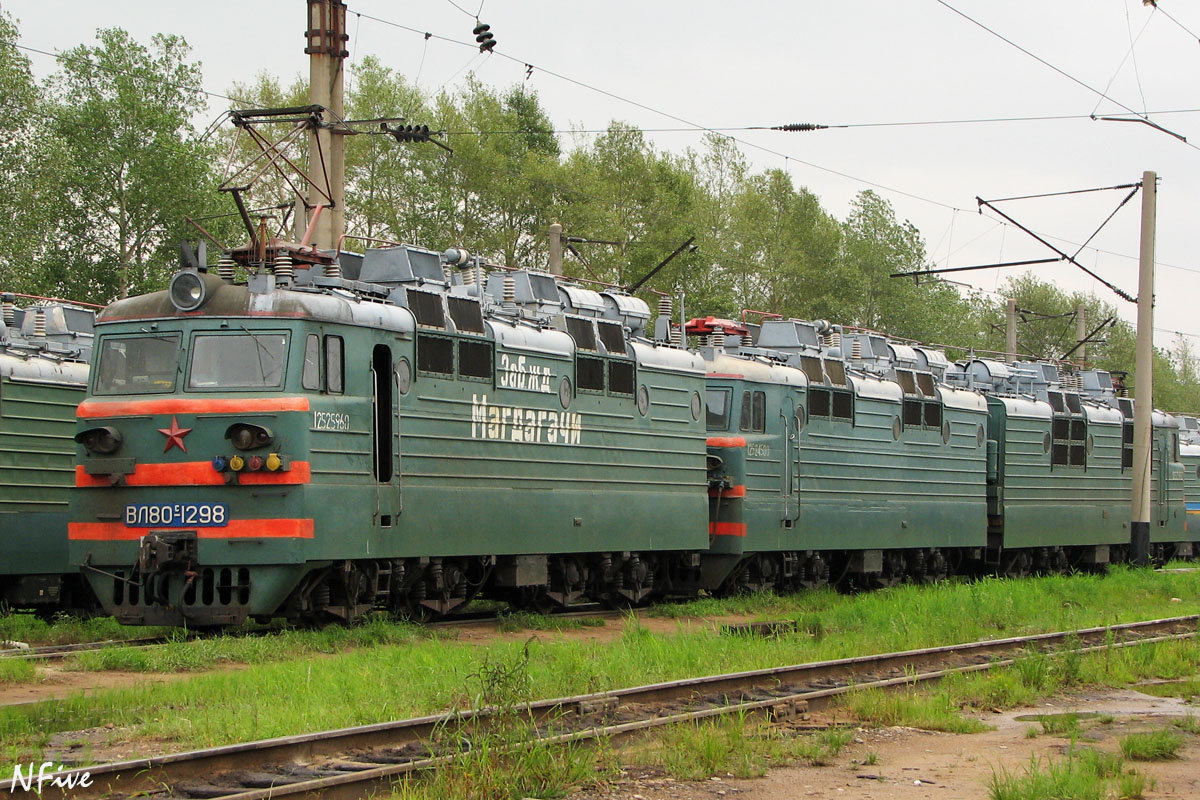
column 174, row 435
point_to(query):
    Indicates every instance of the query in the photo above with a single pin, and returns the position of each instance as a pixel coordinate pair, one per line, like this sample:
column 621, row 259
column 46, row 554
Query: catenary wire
column 1062, row 72
column 675, row 117
column 1034, row 56
column 1154, row 4
column 1128, row 53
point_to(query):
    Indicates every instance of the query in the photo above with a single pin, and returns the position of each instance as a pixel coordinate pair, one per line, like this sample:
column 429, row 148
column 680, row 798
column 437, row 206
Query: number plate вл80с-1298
column 200, row 515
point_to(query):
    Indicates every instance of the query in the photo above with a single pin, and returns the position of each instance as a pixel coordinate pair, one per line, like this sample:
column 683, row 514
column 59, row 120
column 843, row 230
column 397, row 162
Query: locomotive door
column 1162, row 462
column 790, row 463
column 385, row 435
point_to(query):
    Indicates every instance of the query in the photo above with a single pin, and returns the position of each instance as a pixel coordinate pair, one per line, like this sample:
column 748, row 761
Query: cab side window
column 334, row 365
column 311, row 378
column 754, row 412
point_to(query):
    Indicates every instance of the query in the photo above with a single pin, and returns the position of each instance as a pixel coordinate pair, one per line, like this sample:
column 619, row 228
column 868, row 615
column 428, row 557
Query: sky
column 871, row 65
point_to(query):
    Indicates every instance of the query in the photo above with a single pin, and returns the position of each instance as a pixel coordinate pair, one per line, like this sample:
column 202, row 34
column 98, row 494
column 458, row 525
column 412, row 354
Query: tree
column 493, row 193
column 19, row 182
column 130, row 165
column 621, row 190
column 876, row 246
column 789, row 249
column 388, row 194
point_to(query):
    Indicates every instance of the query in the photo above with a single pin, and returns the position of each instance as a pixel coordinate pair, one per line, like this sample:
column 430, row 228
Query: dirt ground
column 912, row 764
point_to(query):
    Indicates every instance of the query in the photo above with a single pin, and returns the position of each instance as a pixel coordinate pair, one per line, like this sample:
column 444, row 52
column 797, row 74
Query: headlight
column 187, row 291
column 103, row 441
column 245, row 436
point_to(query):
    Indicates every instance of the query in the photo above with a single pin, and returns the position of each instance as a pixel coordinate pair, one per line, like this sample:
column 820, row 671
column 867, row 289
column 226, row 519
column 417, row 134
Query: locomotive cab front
column 192, row 455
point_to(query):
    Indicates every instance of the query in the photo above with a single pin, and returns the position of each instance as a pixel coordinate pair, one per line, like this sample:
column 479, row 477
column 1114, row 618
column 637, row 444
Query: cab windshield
column 238, row 360
column 137, row 364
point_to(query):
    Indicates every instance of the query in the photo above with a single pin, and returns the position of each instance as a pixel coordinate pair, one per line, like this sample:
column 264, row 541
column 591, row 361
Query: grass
column 1083, row 774
column 1065, row 725
column 502, row 759
column 182, row 654
column 65, row 629
column 1157, row 745
column 1188, row 690
column 735, row 746
column 1188, row 724
column 17, row 671
column 385, row 670
column 931, row 711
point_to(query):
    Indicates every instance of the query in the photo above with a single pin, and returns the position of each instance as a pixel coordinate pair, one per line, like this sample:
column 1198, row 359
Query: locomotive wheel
column 537, row 599
column 937, row 568
column 413, row 611
column 893, row 570
column 1015, row 564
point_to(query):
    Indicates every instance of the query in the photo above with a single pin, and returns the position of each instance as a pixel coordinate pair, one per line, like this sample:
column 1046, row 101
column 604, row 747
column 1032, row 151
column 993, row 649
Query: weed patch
column 741, row 748
column 933, row 711
column 1084, row 774
column 65, row 629
column 1188, row 724
column 1159, row 745
column 17, row 670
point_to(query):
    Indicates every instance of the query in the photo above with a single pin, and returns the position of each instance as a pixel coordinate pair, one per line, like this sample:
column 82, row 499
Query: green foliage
column 932, row 712
column 1066, row 725
column 738, row 747
column 17, row 671
column 1046, row 329
column 293, row 685
column 19, row 125
column 620, row 189
column 127, row 164
column 1158, row 745
column 1188, row 723
column 66, row 629
column 1084, row 774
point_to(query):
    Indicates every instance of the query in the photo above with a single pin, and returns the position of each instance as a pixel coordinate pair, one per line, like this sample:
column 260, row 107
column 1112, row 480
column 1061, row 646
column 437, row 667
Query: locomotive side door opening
column 793, row 450
column 385, row 431
column 790, row 463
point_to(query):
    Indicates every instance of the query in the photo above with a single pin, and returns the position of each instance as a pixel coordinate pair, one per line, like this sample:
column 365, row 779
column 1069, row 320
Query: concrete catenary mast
column 1143, row 390
column 327, row 53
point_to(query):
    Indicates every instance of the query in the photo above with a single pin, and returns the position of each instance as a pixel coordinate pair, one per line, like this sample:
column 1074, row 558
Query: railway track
column 57, row 651
column 356, row 762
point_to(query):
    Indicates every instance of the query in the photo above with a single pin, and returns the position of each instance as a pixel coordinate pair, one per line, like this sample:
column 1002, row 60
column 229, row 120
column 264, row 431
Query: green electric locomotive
column 44, row 352
column 330, row 437
column 838, row 458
